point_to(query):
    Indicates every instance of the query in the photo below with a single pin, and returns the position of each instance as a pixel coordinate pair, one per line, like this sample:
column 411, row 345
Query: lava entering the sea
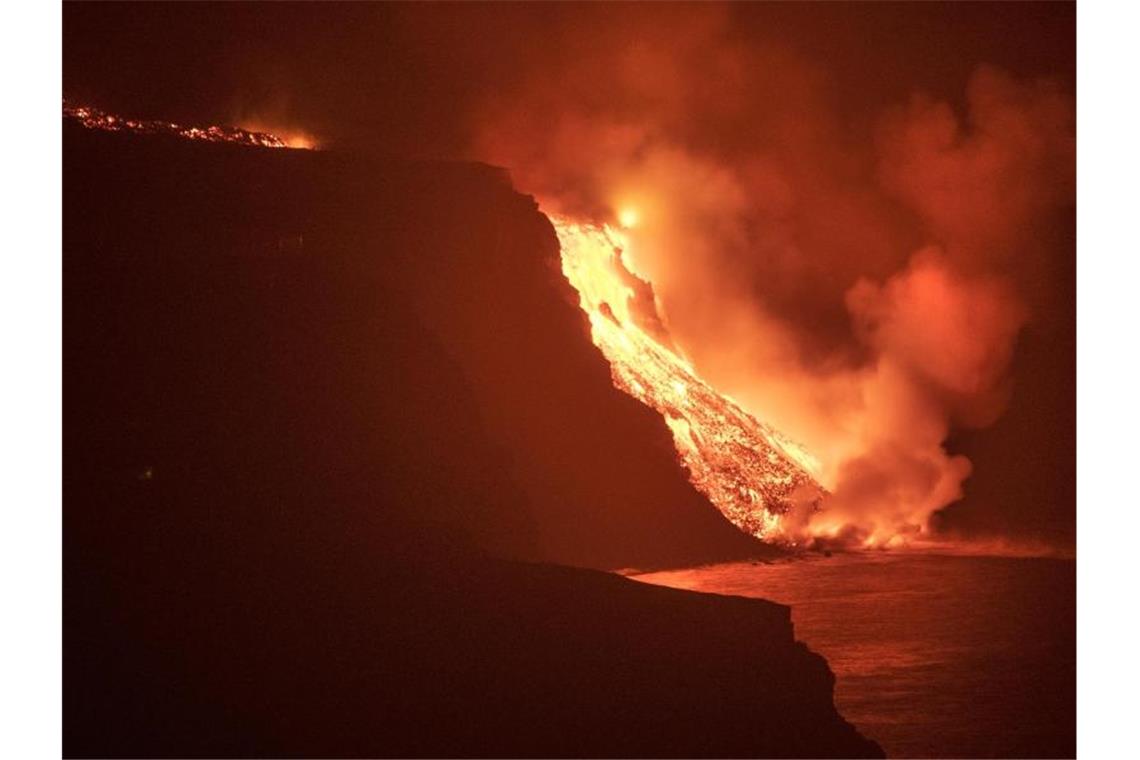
column 94, row 118
column 764, row 483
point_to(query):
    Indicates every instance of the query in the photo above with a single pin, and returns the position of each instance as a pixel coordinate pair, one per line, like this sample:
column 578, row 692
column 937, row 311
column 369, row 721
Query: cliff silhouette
column 329, row 422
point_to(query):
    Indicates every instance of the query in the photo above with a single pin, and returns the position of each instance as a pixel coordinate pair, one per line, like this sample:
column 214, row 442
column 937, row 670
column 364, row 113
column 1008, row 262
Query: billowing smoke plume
column 860, row 286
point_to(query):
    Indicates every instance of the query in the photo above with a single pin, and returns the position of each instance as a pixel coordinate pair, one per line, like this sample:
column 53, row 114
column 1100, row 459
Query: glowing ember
column 760, row 480
column 93, row 118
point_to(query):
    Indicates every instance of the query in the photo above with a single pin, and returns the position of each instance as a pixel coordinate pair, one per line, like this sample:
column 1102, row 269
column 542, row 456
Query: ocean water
column 934, row 655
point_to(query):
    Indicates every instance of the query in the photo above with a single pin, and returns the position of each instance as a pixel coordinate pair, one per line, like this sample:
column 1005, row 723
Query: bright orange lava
column 760, row 480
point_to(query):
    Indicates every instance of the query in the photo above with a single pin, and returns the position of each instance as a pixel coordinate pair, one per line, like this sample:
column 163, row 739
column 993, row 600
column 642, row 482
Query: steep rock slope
column 305, row 395
column 452, row 248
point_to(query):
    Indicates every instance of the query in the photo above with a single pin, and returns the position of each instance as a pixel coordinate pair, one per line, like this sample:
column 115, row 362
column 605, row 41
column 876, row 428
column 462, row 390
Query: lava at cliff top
column 94, row 118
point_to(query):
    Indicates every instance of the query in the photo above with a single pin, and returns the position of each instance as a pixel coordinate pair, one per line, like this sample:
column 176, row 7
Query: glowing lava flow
column 759, row 479
column 93, row 118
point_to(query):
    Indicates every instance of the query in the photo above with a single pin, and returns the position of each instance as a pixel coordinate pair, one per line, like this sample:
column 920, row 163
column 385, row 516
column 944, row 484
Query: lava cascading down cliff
column 764, row 483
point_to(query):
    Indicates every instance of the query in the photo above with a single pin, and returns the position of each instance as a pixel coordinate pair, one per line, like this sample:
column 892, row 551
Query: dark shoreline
column 934, row 655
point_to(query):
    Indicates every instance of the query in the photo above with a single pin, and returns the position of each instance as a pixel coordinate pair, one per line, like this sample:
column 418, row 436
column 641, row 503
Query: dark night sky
column 420, row 80
column 404, row 79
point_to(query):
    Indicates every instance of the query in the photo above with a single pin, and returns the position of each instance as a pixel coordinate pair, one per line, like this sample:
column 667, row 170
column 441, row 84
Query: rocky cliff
column 311, row 403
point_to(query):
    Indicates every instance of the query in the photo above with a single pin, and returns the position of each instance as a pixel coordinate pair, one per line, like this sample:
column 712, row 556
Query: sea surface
column 934, row 655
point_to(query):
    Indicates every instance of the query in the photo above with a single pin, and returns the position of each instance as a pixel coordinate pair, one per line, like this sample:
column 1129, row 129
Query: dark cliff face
column 305, row 397
column 299, row 269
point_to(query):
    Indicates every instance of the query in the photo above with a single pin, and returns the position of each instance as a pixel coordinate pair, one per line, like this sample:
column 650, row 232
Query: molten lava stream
column 760, row 480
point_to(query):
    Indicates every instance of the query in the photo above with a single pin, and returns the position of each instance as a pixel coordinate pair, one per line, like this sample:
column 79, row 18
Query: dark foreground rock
column 307, row 397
